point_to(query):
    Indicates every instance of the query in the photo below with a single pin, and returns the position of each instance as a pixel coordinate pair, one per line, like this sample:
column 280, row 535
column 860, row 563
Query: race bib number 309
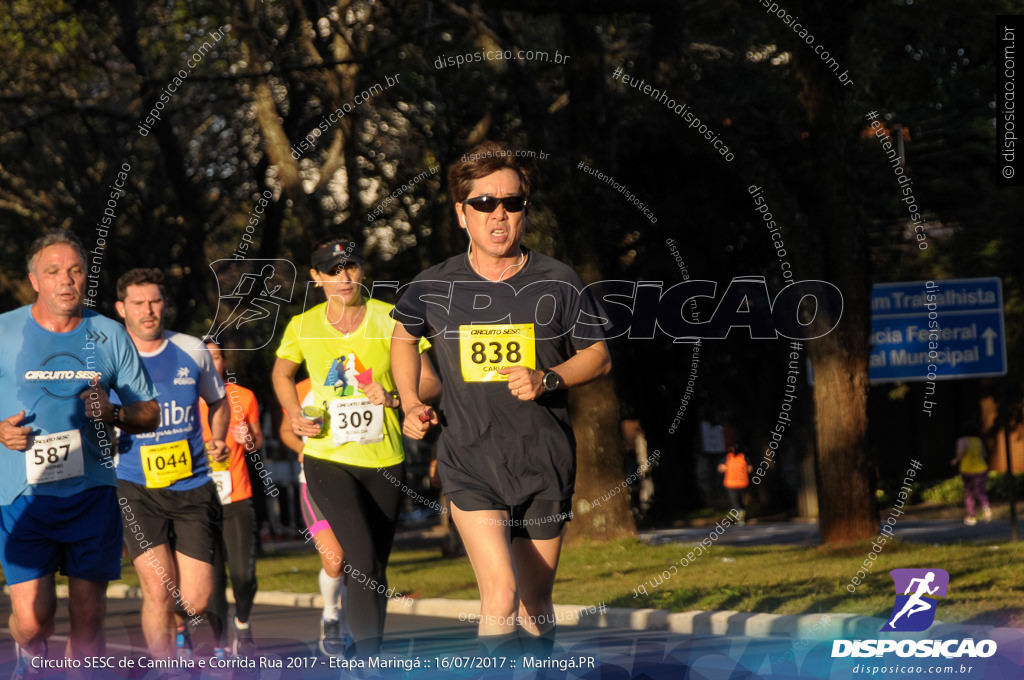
column 485, row 349
column 356, row 421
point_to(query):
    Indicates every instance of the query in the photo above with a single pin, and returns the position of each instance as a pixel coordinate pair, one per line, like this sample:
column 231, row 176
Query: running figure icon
column 917, row 592
column 253, row 301
column 916, row 603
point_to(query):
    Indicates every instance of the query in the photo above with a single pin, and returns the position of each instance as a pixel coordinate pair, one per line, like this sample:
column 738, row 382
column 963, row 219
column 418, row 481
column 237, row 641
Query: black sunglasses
column 488, row 204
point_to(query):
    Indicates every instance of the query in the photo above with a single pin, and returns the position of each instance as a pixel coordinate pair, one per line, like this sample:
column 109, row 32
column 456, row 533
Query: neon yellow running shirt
column 337, row 365
column 973, row 461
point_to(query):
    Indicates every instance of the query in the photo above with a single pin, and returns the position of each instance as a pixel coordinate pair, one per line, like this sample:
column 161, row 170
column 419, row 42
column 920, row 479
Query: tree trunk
column 595, row 407
column 601, row 504
column 840, row 246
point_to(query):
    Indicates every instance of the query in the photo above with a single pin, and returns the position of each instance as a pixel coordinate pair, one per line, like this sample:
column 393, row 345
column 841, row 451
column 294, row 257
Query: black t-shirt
column 493, row 442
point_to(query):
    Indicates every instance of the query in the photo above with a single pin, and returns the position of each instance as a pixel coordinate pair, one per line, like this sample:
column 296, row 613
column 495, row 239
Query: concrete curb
column 749, row 624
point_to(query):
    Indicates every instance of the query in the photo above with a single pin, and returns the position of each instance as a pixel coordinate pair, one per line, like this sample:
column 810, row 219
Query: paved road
column 441, row 648
column 806, row 533
column 286, row 637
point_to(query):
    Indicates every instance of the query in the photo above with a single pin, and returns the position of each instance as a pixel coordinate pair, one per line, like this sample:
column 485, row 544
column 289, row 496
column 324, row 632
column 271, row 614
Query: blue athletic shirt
column 43, row 373
column 174, row 457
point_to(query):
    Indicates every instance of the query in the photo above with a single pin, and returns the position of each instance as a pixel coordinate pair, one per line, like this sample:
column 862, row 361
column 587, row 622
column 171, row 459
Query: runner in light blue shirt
column 58, row 499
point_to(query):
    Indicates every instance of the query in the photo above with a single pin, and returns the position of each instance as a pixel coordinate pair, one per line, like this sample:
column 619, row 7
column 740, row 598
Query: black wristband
column 116, row 415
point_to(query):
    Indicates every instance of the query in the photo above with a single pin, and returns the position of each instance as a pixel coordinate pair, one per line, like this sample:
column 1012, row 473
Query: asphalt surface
column 419, row 647
column 620, row 644
column 806, row 533
column 434, row 647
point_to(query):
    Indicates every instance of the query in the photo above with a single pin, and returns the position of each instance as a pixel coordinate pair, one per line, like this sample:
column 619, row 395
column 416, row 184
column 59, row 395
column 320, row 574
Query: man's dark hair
column 482, row 160
column 140, row 277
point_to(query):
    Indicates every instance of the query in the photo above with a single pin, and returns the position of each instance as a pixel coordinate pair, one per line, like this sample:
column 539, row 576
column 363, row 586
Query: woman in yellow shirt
column 970, row 455
column 345, row 344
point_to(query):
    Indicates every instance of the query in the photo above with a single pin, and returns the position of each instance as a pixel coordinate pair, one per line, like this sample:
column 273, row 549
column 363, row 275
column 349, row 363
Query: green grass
column 984, row 578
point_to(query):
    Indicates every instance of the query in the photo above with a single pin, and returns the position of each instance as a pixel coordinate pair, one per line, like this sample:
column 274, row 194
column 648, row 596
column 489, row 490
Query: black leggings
column 736, row 498
column 240, row 548
column 361, row 504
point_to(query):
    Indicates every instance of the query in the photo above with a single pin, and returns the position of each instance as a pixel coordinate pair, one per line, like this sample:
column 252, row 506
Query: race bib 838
column 483, row 349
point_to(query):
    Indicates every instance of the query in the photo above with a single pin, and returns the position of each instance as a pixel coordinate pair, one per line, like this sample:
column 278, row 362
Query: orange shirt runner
column 245, row 414
column 736, row 471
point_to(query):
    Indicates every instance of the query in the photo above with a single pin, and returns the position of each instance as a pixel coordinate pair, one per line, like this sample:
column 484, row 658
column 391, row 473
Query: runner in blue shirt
column 58, row 496
column 164, row 477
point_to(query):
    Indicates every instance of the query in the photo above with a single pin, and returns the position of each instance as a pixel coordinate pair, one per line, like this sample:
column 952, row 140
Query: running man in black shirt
column 513, row 330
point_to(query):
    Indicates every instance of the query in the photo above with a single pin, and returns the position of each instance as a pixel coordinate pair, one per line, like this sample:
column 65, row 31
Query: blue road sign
column 937, row 330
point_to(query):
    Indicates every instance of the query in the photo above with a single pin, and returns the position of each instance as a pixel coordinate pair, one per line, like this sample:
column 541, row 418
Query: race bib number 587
column 54, row 457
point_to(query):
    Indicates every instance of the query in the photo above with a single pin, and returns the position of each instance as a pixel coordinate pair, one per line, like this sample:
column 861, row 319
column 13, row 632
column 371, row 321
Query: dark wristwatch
column 116, row 416
column 551, row 381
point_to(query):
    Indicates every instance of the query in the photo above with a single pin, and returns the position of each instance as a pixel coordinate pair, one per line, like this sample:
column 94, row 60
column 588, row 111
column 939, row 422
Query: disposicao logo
column 913, row 612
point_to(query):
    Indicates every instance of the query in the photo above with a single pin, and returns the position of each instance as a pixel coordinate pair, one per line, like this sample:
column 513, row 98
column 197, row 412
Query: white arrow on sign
column 990, row 345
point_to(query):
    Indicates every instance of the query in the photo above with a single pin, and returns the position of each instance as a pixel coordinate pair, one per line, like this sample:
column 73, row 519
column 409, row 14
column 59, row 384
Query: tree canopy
column 346, row 116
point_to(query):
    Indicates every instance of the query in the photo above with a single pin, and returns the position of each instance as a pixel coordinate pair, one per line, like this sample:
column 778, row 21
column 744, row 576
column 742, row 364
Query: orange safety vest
column 736, row 471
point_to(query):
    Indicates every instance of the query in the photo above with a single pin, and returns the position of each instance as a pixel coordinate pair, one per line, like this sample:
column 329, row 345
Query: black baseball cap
column 330, row 254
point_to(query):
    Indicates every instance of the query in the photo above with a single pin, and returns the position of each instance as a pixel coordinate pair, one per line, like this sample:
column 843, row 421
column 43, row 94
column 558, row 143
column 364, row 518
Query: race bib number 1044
column 165, row 464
